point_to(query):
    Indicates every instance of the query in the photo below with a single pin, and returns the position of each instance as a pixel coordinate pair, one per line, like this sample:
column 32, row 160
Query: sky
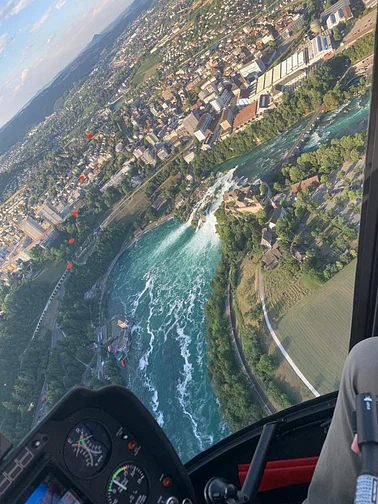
column 38, row 38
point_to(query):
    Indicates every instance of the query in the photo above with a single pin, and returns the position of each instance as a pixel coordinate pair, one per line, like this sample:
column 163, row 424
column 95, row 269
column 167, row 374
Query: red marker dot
column 71, row 241
column 90, row 136
column 75, row 213
column 82, row 177
column 69, row 266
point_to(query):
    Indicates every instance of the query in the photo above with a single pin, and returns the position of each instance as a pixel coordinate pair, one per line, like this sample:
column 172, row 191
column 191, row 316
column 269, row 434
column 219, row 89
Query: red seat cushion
column 282, row 473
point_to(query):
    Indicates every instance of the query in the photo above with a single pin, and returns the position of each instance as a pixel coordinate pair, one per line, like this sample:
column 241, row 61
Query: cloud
column 96, row 11
column 24, row 74
column 60, row 3
column 13, row 7
column 45, row 16
column 4, row 41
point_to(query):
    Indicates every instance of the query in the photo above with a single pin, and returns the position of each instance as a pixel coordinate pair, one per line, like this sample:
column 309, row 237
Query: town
column 167, row 98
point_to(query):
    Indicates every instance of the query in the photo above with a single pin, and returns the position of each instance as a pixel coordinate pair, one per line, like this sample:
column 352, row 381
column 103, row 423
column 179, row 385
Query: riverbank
column 126, row 245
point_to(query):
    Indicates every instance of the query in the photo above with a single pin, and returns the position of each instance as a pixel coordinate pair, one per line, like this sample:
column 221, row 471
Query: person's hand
column 354, row 445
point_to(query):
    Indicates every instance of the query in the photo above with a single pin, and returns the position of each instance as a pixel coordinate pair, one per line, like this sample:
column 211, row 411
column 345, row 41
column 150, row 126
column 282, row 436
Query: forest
column 237, row 402
column 239, row 237
column 64, row 366
column 20, row 386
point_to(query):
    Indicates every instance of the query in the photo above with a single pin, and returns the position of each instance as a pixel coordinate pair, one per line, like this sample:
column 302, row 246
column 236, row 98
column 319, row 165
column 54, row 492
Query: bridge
column 303, row 134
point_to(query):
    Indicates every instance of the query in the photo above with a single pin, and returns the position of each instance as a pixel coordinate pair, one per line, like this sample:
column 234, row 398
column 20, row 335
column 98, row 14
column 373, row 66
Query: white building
column 253, row 69
column 202, row 126
column 343, row 14
column 319, row 47
column 222, row 101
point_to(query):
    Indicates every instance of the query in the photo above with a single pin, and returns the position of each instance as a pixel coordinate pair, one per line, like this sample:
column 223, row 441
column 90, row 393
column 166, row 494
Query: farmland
column 147, row 68
column 245, row 296
column 283, row 290
column 315, row 332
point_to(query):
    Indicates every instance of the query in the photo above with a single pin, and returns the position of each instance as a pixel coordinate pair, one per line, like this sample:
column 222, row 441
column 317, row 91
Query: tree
column 338, row 31
column 263, row 189
column 37, row 253
column 267, row 364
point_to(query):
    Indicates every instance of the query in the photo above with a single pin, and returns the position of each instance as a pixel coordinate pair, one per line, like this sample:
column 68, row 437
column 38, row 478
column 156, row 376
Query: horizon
column 34, row 47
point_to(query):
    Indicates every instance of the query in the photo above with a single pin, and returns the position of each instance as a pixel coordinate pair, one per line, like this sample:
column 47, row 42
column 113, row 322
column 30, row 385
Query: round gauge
column 87, row 449
column 128, row 485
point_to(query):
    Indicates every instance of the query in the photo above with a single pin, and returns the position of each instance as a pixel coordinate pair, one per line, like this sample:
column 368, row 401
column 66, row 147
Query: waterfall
column 213, row 196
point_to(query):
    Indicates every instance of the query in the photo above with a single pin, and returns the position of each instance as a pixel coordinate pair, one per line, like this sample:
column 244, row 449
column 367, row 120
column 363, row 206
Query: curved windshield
column 180, row 195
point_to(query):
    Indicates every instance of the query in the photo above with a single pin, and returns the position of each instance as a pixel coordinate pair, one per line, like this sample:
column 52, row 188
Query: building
column 245, row 116
column 271, row 258
column 227, row 119
column 293, row 68
column 162, row 153
column 266, row 238
column 190, row 123
column 296, row 25
column 204, row 122
column 243, row 200
column 189, row 157
column 149, row 157
column 319, row 47
column 180, row 201
column 167, row 95
column 252, row 69
column 49, row 238
column 304, row 184
column 159, row 203
column 152, row 139
column 31, row 228
column 278, row 213
column 334, row 8
column 138, row 153
column 243, row 99
column 265, row 102
column 50, row 213
column 298, row 253
column 222, row 101
column 337, row 17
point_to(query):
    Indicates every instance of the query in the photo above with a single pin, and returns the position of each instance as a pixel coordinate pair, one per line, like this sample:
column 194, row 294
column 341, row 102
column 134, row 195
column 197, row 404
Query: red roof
column 245, row 115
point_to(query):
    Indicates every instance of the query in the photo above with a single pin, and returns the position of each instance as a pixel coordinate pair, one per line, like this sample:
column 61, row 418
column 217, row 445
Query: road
column 295, row 368
column 121, row 204
column 242, row 360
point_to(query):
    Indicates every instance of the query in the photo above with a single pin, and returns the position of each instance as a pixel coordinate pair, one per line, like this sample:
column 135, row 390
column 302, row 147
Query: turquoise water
column 346, row 120
column 164, row 281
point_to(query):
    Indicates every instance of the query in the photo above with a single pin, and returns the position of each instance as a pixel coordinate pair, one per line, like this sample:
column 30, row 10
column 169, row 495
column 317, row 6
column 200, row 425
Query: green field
column 283, row 290
column 316, row 331
column 51, row 273
column 148, row 66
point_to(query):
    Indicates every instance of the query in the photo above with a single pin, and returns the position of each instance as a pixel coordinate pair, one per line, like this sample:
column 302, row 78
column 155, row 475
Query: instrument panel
column 89, row 451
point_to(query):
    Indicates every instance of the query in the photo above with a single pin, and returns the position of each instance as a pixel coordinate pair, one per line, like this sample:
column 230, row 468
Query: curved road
column 242, row 361
column 278, row 343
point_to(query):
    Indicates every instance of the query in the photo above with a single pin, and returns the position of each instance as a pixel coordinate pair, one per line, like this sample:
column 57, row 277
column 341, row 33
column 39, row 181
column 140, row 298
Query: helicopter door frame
column 365, row 298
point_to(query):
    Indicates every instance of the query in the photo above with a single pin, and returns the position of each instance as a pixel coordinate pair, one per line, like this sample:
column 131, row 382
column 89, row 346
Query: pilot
column 339, row 464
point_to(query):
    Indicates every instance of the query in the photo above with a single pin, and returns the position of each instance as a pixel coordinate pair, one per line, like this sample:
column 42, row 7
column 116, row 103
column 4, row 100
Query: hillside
column 42, row 104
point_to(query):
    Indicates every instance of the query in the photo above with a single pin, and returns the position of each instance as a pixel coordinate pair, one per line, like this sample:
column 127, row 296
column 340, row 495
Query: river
column 163, row 280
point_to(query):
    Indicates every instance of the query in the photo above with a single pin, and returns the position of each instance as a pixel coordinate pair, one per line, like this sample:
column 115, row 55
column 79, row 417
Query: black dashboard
column 96, row 447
